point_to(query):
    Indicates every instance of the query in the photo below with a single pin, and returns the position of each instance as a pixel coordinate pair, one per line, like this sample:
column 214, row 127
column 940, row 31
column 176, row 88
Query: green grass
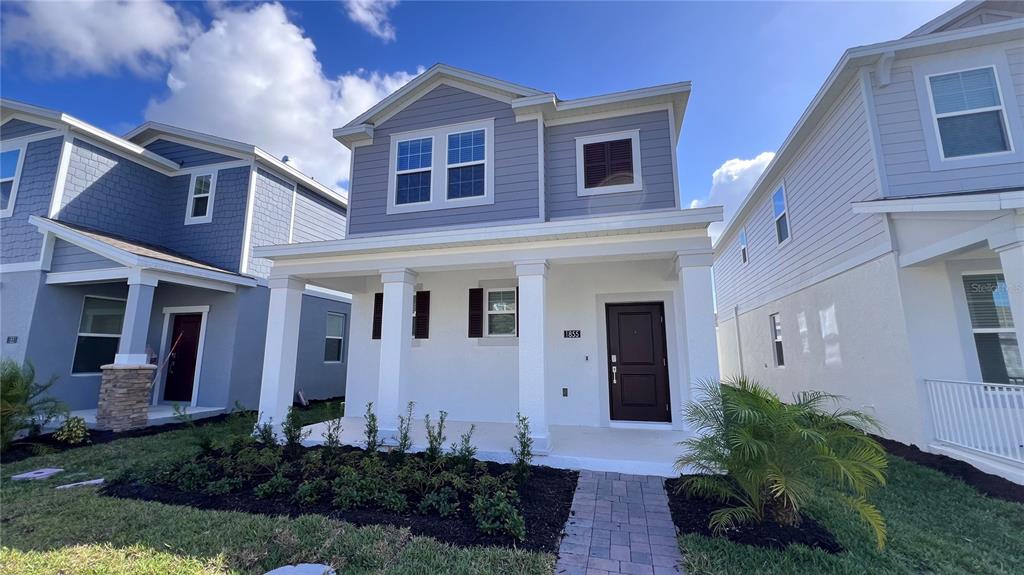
column 936, row 525
column 78, row 531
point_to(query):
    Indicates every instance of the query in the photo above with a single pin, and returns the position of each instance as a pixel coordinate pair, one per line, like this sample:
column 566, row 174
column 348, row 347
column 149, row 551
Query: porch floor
column 158, row 414
column 633, row 451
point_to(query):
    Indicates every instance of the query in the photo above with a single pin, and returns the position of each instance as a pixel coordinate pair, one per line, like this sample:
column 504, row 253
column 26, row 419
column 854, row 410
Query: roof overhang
column 968, row 202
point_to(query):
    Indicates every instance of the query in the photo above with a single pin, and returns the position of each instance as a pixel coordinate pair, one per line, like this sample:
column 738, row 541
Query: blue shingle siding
column 218, row 242
column 316, row 218
column 515, row 172
column 271, row 216
column 16, row 128
column 21, row 240
column 656, row 161
column 68, row 257
column 187, row 156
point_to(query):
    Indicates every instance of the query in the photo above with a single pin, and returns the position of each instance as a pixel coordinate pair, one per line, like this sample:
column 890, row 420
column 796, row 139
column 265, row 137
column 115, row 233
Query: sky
column 282, row 75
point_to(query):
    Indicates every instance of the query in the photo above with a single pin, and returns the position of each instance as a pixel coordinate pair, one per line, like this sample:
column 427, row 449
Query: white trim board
column 204, row 311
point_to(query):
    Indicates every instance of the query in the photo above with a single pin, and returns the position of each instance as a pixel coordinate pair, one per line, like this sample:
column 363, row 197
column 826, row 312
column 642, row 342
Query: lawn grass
column 936, row 524
column 78, row 531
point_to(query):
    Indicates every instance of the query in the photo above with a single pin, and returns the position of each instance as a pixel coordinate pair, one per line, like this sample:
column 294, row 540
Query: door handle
column 615, row 375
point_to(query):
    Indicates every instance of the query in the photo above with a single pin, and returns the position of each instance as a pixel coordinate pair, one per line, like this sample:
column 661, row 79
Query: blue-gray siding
column 20, row 241
column 68, row 257
column 186, row 156
column 217, row 242
column 271, row 216
column 515, row 161
column 656, row 151
column 316, row 218
column 317, row 379
column 16, row 128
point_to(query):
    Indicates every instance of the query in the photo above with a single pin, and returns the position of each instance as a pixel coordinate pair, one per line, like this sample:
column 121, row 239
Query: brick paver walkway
column 619, row 524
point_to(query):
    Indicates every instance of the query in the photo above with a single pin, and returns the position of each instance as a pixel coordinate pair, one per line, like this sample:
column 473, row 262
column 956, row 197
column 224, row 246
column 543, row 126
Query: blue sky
column 283, row 78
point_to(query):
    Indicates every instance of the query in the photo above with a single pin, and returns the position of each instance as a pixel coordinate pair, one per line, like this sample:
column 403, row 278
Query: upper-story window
column 970, row 118
column 743, row 245
column 200, row 199
column 781, row 213
column 465, row 173
column 10, row 172
column 608, row 163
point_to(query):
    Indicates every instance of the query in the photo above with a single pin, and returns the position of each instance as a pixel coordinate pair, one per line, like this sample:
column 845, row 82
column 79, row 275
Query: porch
column 161, row 414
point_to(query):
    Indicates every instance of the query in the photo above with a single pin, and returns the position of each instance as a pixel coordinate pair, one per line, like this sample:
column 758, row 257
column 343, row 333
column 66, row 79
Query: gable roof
column 964, row 13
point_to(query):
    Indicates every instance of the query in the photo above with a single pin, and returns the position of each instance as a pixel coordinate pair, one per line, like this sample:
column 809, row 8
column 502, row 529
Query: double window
column 200, row 198
column 970, row 118
column 776, row 327
column 99, row 334
column 10, row 171
column 501, row 312
column 781, row 214
column 466, row 163
column 608, row 163
column 334, row 341
column 995, row 339
column 415, row 158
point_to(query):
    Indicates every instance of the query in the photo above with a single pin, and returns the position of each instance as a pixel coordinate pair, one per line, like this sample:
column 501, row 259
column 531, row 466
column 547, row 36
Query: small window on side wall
column 334, row 342
column 501, row 312
column 969, row 114
column 781, row 213
column 200, row 199
column 10, row 169
column 743, row 245
column 608, row 163
column 776, row 326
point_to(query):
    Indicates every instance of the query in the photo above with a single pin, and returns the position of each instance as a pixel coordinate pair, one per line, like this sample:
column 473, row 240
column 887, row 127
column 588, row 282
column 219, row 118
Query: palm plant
column 774, row 454
column 23, row 401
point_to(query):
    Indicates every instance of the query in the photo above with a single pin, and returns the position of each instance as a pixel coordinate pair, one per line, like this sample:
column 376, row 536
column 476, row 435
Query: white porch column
column 531, row 313
column 131, row 350
column 698, row 339
column 277, row 390
column 395, row 348
column 1011, row 256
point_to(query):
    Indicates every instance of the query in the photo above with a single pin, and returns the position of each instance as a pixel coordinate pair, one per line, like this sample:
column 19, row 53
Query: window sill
column 498, row 341
column 443, row 204
column 198, row 221
column 600, row 191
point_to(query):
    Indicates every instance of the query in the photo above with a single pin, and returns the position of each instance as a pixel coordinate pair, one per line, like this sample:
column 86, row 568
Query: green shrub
column 404, row 436
column 192, row 477
column 463, row 452
column 495, row 509
column 435, row 436
column 312, row 464
column 292, row 431
column 222, row 486
column 23, row 402
column 72, row 431
column 265, row 433
column 410, row 477
column 390, row 499
column 370, row 433
column 276, row 485
column 253, row 463
column 775, row 454
column 202, row 436
column 332, row 433
column 444, row 502
column 311, row 491
column 523, row 450
column 350, row 489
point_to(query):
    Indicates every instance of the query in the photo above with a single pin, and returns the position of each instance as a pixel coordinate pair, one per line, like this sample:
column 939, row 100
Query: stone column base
column 124, row 397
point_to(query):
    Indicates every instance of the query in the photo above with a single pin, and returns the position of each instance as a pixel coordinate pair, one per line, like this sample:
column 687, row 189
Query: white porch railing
column 985, row 417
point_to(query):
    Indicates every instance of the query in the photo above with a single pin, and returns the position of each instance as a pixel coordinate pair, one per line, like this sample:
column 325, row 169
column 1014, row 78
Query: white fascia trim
column 22, row 149
column 1013, row 200
column 677, row 88
column 335, row 196
column 88, row 276
column 57, row 197
column 250, row 203
column 843, row 71
column 326, row 293
column 19, row 267
column 697, row 218
column 638, row 177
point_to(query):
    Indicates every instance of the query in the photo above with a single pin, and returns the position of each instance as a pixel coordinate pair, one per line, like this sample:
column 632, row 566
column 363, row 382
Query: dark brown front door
column 637, row 362
column 181, row 367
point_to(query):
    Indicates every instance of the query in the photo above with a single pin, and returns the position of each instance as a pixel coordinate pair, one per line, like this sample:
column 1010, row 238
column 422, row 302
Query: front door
column 637, row 362
column 181, row 366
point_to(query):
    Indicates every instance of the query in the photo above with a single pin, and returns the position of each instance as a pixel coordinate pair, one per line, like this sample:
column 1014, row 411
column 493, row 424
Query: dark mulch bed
column 545, row 500
column 691, row 515
column 991, row 485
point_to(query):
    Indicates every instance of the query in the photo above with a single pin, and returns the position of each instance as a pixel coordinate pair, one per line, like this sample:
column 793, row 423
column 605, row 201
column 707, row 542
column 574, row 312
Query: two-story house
column 509, row 251
column 138, row 250
column 881, row 254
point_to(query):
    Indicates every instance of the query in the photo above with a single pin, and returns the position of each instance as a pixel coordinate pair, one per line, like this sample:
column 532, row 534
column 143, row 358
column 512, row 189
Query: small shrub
column 311, row 491
column 276, row 485
column 292, row 431
column 222, row 486
column 371, row 432
column 192, row 477
column 350, row 489
column 332, row 435
column 494, row 508
column 253, row 463
column 202, row 437
column 72, row 431
column 265, row 434
column 391, row 500
column 404, row 437
column 23, row 402
column 312, row 464
column 463, row 452
column 444, row 502
column 410, row 477
column 435, row 436
column 523, row 450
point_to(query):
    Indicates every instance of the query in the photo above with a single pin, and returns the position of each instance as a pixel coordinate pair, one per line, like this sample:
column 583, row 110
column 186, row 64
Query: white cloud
column 373, row 16
column 730, row 183
column 254, row 77
column 94, row 36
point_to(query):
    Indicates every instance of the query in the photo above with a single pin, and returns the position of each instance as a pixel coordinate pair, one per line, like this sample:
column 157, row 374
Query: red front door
column 181, row 366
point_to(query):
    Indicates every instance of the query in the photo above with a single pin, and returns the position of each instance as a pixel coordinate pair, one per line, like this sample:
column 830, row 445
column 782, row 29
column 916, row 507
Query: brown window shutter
column 378, row 314
column 476, row 312
column 421, row 323
column 595, row 164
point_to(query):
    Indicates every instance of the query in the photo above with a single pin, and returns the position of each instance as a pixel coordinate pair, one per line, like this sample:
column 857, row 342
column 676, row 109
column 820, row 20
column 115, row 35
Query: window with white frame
column 988, row 303
column 200, row 198
column 413, row 171
column 334, row 342
column 608, row 163
column 781, row 214
column 99, row 333
column 467, row 153
column 10, row 172
column 970, row 119
column 501, row 312
column 776, row 326
column 743, row 245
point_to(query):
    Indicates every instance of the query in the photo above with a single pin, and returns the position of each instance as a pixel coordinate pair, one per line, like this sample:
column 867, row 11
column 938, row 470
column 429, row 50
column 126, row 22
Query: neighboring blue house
column 138, row 250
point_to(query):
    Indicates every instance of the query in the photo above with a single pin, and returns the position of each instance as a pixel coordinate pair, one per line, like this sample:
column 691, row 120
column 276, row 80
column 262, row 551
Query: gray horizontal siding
column 187, row 156
column 16, row 128
column 834, row 167
column 656, row 152
column 271, row 216
column 315, row 378
column 904, row 146
column 20, row 241
column 515, row 166
column 68, row 257
column 316, row 218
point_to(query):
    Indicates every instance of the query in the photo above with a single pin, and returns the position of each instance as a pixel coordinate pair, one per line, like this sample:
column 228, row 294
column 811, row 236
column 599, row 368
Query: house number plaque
column 571, row 334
